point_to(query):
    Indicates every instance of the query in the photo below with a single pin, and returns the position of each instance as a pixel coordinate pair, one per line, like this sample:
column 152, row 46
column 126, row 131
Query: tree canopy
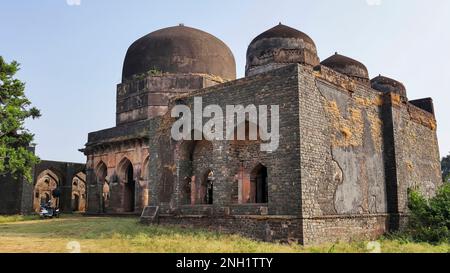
column 445, row 165
column 16, row 157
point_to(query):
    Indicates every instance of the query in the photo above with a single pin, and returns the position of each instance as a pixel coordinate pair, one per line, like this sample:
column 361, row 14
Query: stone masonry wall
column 342, row 166
column 269, row 229
column 274, row 88
column 347, row 156
column 13, row 197
column 417, row 152
column 359, row 156
column 148, row 97
column 113, row 156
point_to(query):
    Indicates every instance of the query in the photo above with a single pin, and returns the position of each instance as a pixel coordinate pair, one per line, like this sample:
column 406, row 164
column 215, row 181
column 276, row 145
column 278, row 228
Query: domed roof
column 385, row 84
column 279, row 46
column 347, row 66
column 180, row 49
column 282, row 31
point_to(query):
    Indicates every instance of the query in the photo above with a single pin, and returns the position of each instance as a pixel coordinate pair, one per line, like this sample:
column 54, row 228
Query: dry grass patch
column 118, row 235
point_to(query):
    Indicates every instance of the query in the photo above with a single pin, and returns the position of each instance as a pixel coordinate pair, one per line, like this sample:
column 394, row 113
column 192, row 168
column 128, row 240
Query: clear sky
column 72, row 51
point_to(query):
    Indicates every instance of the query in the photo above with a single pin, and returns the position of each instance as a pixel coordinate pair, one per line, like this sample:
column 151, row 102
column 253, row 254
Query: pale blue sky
column 72, row 55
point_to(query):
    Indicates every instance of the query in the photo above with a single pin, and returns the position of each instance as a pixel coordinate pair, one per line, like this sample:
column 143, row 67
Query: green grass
column 111, row 235
column 15, row 218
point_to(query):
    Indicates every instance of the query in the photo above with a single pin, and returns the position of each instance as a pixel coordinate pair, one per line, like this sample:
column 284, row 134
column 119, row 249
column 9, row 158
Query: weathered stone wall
column 114, row 156
column 344, row 228
column 138, row 100
column 21, row 197
column 347, row 156
column 266, row 228
column 342, row 146
column 359, row 155
column 278, row 87
column 15, row 196
column 416, row 152
column 145, row 98
column 64, row 173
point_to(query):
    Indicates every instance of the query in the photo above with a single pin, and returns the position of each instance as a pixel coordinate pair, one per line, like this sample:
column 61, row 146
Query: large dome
column 180, row 49
column 279, row 46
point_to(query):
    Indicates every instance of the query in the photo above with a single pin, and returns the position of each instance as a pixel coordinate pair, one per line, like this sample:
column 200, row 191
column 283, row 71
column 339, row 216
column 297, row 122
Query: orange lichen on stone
column 376, row 127
column 395, row 99
column 172, row 168
column 332, row 77
column 366, row 102
column 346, row 131
column 378, row 101
column 410, row 165
column 422, row 117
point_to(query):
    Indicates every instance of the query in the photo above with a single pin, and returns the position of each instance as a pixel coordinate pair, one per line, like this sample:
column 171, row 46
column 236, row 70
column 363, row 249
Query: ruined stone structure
column 350, row 147
column 62, row 183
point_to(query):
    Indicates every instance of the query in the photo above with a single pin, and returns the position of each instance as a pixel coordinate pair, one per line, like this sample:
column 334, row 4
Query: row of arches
column 130, row 185
column 253, row 191
column 48, row 188
column 198, row 189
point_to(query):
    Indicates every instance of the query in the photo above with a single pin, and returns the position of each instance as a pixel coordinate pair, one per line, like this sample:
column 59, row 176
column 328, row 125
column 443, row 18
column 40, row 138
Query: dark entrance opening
column 76, row 203
column 102, row 172
column 129, row 191
column 260, row 180
column 209, row 186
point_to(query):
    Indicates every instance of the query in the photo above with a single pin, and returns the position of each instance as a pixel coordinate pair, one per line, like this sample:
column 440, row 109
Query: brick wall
column 278, row 87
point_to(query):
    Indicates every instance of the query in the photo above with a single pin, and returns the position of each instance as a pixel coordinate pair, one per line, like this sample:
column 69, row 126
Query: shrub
column 430, row 219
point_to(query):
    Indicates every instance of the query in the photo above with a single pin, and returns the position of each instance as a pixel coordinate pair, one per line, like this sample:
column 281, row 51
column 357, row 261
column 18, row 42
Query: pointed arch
column 46, row 183
column 195, row 157
column 79, row 192
column 126, row 174
column 122, row 169
column 101, row 171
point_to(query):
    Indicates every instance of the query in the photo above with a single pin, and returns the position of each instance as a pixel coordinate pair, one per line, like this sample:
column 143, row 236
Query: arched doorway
column 46, row 183
column 79, row 192
column 195, row 157
column 243, row 153
column 129, row 186
column 101, row 173
column 259, row 185
column 129, row 192
column 208, row 187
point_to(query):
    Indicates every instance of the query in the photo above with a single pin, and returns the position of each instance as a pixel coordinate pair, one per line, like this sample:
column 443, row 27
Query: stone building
column 62, row 183
column 350, row 148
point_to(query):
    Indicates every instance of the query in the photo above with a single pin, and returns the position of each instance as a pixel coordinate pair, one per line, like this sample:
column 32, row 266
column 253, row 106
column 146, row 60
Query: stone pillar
column 93, row 192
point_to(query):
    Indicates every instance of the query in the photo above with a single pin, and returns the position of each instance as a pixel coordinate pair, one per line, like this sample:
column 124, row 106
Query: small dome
column 180, row 49
column 385, row 84
column 278, row 47
column 282, row 31
column 347, row 66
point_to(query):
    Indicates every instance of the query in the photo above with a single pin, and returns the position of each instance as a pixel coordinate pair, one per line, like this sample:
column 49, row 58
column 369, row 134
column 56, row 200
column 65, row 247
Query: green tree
column 430, row 218
column 16, row 158
column 445, row 166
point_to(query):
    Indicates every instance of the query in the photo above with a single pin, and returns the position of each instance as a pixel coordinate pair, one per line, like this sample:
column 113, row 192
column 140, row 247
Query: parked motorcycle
column 47, row 211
